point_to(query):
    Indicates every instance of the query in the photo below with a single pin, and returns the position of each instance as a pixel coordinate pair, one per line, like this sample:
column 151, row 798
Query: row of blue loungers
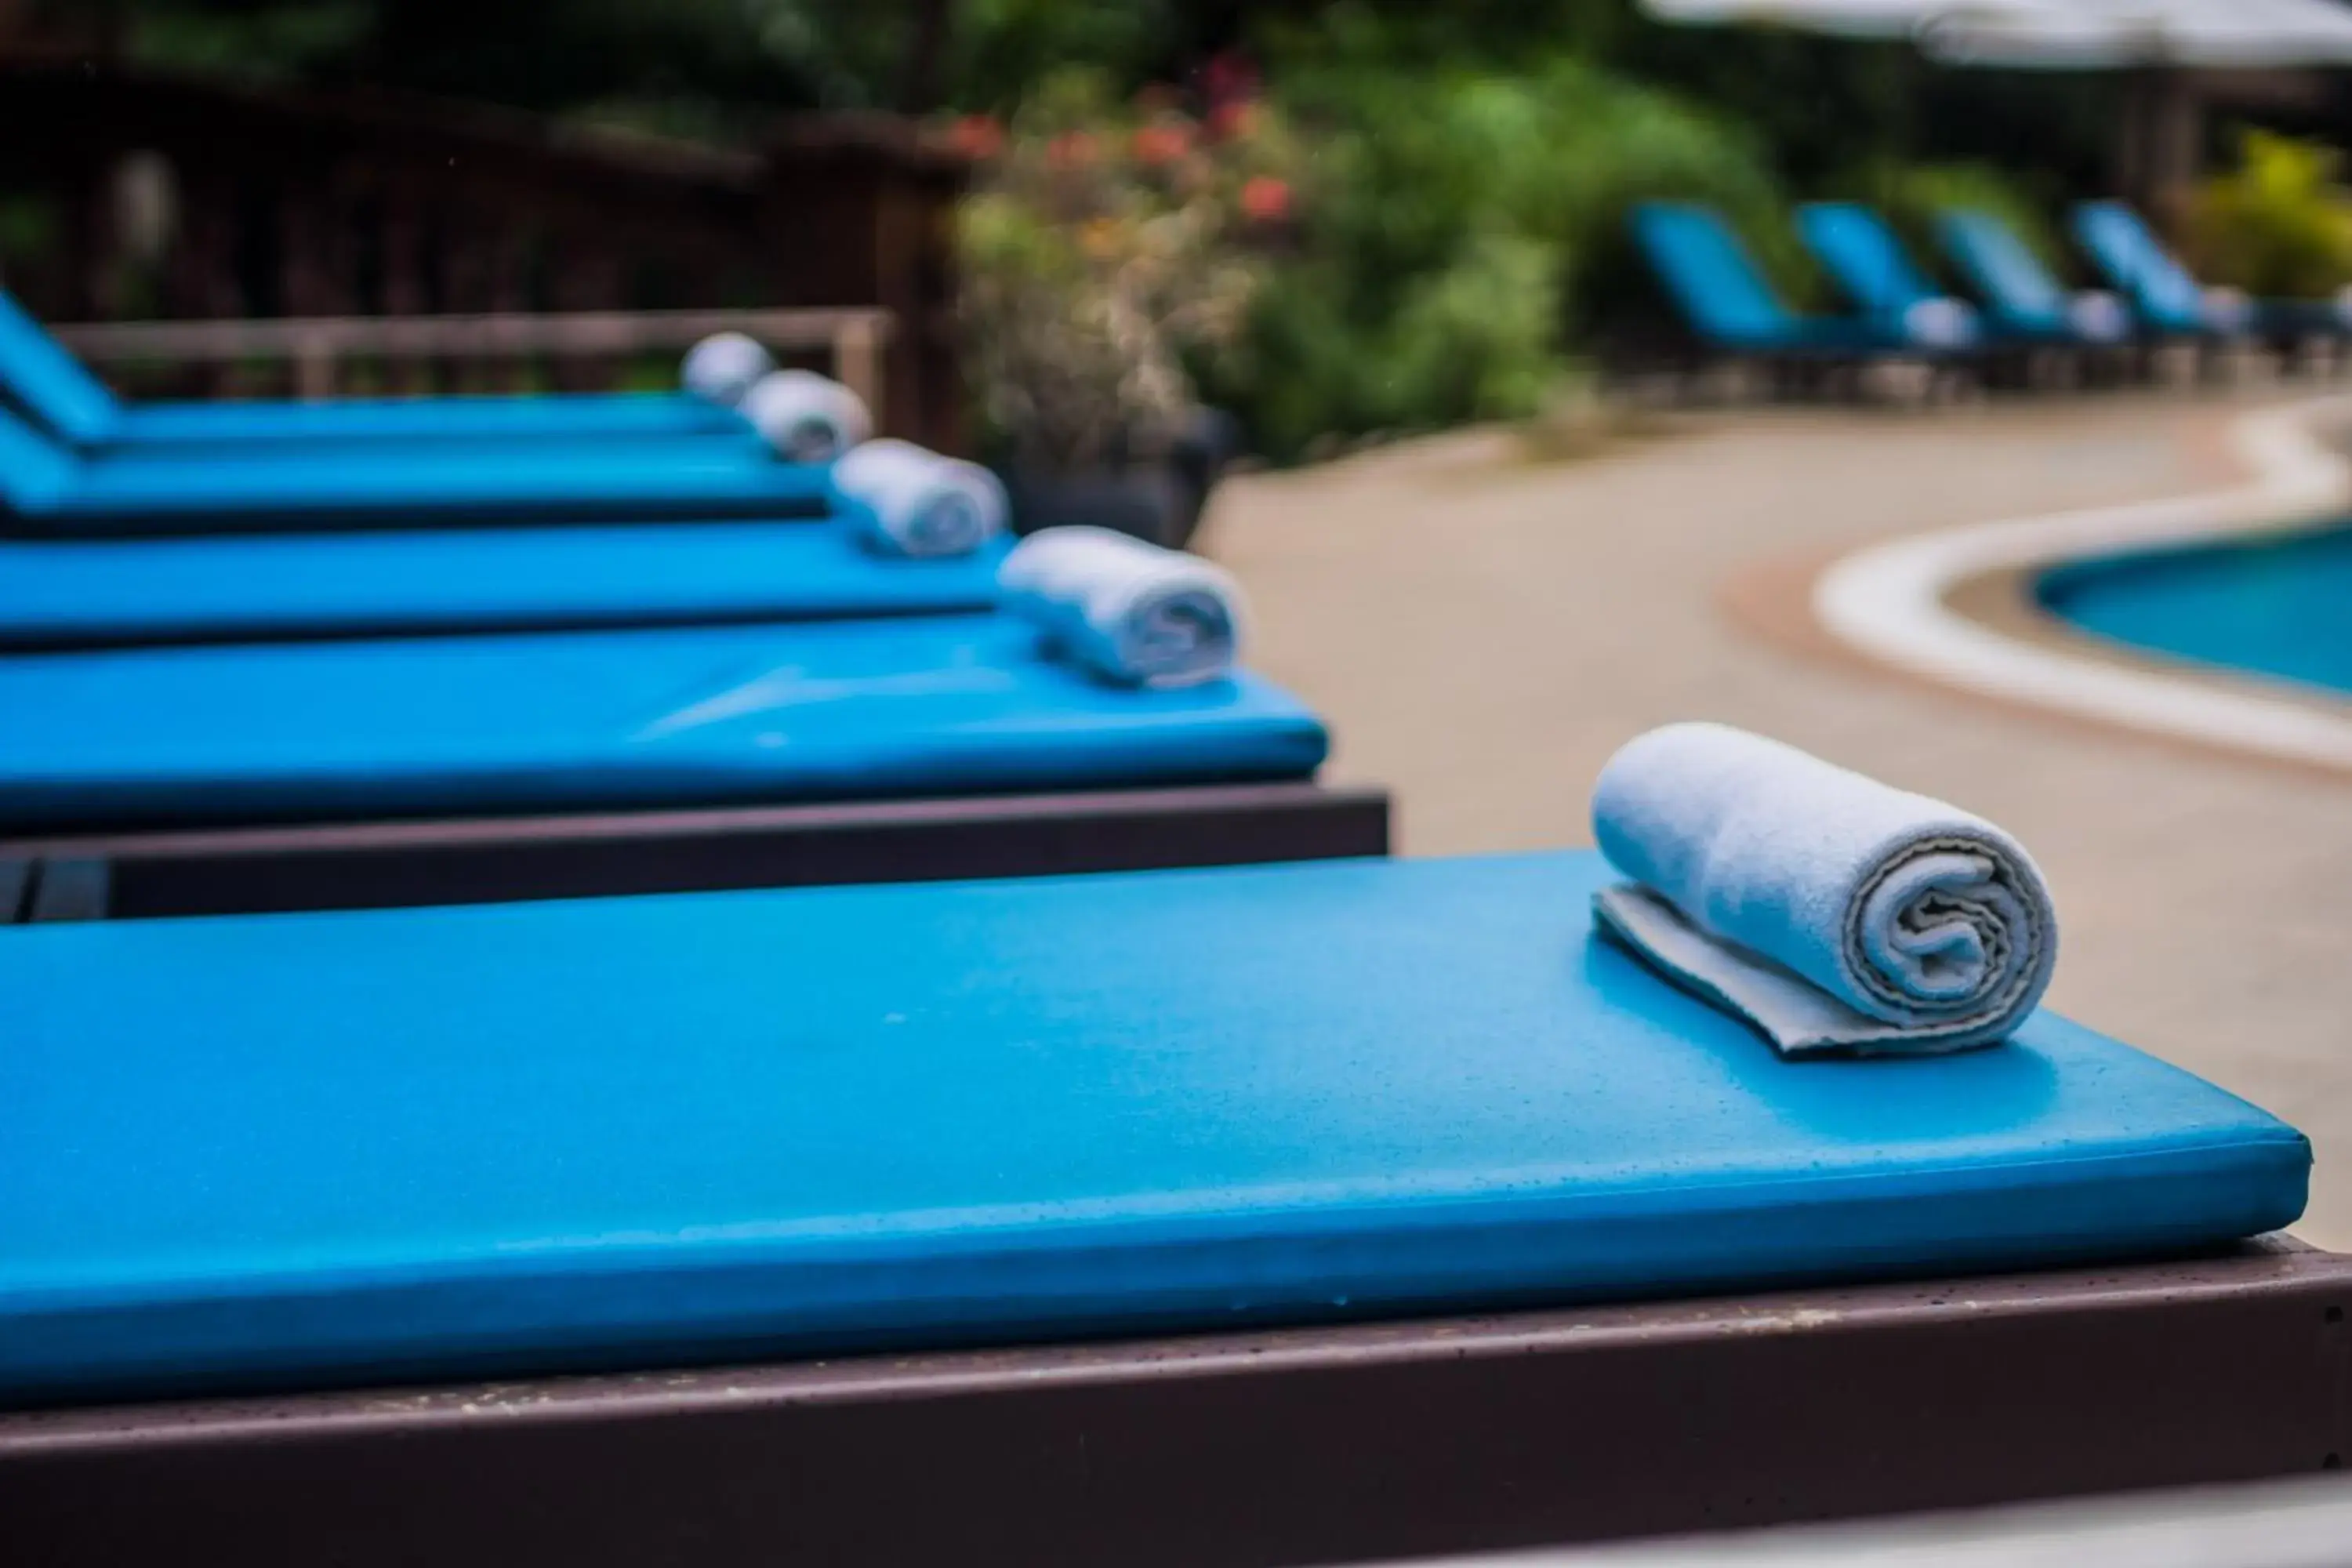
column 2014, row 307
column 1272, row 1213
column 493, row 647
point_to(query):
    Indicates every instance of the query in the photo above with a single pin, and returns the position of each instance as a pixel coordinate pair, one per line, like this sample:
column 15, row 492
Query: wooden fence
column 130, row 196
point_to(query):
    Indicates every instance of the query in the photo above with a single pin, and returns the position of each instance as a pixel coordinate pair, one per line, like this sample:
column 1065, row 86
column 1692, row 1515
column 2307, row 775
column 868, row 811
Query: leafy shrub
column 1460, row 226
column 1101, row 244
column 2279, row 225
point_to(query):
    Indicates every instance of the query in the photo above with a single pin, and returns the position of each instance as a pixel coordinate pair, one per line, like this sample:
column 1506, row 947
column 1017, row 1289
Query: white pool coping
column 1887, row 601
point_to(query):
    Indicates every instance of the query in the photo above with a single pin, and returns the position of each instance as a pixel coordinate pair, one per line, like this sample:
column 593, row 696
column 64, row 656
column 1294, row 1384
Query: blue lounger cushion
column 2162, row 294
column 2021, row 299
column 46, row 488
column 2136, row 260
column 1857, row 249
column 1727, row 298
column 305, row 1150
column 580, row 416
column 53, row 388
column 828, row 709
column 224, row 588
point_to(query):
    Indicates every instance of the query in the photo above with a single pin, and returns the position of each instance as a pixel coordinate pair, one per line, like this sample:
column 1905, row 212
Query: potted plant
column 1100, row 246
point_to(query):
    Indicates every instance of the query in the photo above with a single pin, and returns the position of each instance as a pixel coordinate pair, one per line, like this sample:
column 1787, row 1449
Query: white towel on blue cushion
column 1128, row 610
column 806, row 417
column 2099, row 315
column 914, row 502
column 1940, row 323
column 722, row 367
column 1836, row 913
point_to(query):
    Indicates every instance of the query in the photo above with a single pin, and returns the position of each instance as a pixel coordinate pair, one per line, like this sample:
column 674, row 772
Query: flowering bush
column 1102, row 244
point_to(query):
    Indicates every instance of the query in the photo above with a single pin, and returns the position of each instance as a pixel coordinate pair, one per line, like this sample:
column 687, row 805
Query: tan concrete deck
column 1482, row 630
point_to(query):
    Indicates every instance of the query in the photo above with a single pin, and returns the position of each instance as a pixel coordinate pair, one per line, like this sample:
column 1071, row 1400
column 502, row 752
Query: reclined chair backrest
column 2003, row 268
column 40, row 377
column 35, row 471
column 1711, row 276
column 1863, row 254
column 2139, row 265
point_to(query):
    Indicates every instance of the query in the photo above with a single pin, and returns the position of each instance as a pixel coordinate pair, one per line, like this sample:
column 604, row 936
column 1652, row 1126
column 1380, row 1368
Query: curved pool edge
column 1890, row 602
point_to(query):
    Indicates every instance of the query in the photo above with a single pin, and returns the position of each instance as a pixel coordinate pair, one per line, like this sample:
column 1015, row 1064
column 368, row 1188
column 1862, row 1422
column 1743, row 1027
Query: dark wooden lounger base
column 247, row 870
column 1299, row 1446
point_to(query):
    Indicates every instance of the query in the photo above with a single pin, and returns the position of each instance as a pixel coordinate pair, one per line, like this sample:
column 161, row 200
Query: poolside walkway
column 1482, row 630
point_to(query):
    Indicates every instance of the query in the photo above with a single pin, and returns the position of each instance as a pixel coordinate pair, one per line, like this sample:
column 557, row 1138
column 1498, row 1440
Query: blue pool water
column 2279, row 607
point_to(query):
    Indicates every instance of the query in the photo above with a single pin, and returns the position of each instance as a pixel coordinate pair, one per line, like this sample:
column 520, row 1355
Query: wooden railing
column 318, row 349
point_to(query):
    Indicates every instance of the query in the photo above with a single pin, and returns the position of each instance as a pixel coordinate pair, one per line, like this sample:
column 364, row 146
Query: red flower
column 1266, row 199
column 977, row 137
column 1070, row 150
column 1158, row 145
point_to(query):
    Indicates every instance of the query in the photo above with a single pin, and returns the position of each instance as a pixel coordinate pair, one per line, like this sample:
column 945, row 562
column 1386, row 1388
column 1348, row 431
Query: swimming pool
column 2279, row 606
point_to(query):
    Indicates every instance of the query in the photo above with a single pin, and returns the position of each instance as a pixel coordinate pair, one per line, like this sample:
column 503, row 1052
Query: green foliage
column 1458, row 225
column 258, row 40
column 2279, row 225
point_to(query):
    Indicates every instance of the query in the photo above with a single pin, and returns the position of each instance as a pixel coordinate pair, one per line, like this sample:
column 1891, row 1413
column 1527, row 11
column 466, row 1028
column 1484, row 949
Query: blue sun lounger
column 58, row 594
column 2022, row 302
column 49, row 488
column 1727, row 301
column 1857, row 249
column 2128, row 252
column 285, row 1152
column 54, row 390
column 2172, row 303
column 946, row 705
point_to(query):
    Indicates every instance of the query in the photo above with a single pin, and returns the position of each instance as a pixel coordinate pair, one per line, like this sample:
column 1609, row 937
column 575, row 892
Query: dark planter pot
column 1158, row 498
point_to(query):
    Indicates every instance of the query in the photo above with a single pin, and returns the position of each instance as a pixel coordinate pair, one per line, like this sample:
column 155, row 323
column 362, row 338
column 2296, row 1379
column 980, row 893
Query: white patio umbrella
column 2160, row 41
column 2118, row 35
column 1840, row 18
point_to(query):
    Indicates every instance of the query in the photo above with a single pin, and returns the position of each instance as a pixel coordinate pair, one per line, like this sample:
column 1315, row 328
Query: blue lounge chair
column 2168, row 302
column 1727, row 301
column 58, row 594
column 2128, row 252
column 1858, row 250
column 47, row 488
column 51, row 387
column 288, row 1152
column 609, row 721
column 2022, row 302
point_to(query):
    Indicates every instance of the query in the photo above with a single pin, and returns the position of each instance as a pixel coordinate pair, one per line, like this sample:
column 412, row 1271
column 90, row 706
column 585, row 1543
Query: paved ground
column 1482, row 630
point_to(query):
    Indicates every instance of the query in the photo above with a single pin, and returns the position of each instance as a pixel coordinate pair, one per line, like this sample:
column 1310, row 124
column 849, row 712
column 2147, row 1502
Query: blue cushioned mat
column 640, row 1132
column 917, row 705
column 567, row 416
column 224, row 587
column 58, row 394
column 46, row 488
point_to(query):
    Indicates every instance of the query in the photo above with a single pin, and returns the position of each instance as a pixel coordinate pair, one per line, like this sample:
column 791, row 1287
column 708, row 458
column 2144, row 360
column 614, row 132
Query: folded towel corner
column 1835, row 914
column 916, row 502
column 1131, row 612
column 724, row 366
column 806, row 417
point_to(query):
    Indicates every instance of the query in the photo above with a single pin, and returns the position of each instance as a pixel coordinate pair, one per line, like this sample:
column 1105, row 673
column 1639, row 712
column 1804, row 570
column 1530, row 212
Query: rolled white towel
column 722, row 367
column 806, row 417
column 1940, row 323
column 2098, row 316
column 1128, row 610
column 2227, row 310
column 914, row 502
column 1834, row 912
